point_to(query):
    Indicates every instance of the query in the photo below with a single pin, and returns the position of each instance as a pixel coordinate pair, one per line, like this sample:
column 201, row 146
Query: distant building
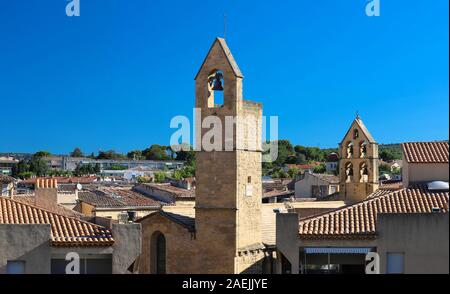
column 332, row 163
column 67, row 163
column 167, row 193
column 316, row 186
column 277, row 196
column 34, row 240
column 406, row 224
column 116, row 203
column 6, row 185
column 424, row 162
column 7, row 164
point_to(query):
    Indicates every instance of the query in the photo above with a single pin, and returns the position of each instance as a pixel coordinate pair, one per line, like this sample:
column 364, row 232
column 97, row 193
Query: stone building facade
column 358, row 166
column 222, row 234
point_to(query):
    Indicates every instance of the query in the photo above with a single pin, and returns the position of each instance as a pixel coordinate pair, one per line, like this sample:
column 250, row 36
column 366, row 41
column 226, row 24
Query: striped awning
column 337, row 250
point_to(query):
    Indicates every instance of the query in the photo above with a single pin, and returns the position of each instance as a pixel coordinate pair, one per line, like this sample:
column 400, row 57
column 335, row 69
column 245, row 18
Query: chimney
column 46, row 192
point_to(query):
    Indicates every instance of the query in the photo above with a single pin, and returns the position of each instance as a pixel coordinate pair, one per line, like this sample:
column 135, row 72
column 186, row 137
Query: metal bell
column 217, row 82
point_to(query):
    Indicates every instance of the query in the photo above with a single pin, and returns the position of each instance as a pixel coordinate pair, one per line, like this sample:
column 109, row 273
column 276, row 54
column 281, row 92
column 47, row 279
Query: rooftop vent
column 435, row 210
column 438, row 186
column 280, row 210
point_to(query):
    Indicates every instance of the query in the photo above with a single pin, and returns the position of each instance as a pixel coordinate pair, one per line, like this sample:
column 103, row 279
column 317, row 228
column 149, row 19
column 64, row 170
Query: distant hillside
column 390, row 151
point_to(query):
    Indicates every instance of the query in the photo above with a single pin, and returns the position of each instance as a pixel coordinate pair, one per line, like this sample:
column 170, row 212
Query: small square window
column 249, row 180
column 15, row 267
column 395, row 263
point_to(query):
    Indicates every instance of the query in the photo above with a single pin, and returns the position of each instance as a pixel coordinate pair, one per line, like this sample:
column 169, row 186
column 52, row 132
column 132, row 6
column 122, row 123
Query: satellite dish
column 79, row 187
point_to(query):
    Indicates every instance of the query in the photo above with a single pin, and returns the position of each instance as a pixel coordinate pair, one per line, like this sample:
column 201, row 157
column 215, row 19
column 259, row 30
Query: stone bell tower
column 228, row 174
column 358, row 165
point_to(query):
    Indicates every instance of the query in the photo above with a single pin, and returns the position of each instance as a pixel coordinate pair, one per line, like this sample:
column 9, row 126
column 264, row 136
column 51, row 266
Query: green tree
column 384, row 168
column 320, row 169
column 156, row 152
column 387, row 155
column 135, row 155
column 160, row 177
column 26, row 175
column 41, row 154
column 39, row 166
column 110, row 154
column 76, row 152
column 293, row 172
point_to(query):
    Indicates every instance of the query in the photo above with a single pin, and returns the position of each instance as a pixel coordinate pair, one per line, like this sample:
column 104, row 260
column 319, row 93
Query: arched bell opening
column 216, row 88
column 363, row 149
column 349, row 149
column 364, row 173
column 348, row 172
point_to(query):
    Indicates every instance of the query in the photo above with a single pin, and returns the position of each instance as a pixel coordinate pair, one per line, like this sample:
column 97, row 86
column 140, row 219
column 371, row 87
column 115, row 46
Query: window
column 249, row 180
column 158, row 249
column 355, row 134
column 161, row 254
column 16, row 267
column 395, row 263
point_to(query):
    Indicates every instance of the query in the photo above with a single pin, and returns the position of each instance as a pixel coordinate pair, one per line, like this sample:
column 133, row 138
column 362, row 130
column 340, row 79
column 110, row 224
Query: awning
column 337, row 250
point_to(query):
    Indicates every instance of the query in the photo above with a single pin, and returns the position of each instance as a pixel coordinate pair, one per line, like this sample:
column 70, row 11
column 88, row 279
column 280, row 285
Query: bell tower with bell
column 228, row 174
column 358, row 165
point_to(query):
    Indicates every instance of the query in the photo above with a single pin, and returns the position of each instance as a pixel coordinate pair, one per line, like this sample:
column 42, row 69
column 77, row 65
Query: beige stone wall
column 216, row 240
column 114, row 214
column 248, row 199
column 424, row 172
column 181, row 252
column 422, row 239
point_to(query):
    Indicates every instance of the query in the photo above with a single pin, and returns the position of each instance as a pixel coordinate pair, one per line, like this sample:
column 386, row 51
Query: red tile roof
column 426, row 152
column 359, row 220
column 65, row 231
column 6, row 179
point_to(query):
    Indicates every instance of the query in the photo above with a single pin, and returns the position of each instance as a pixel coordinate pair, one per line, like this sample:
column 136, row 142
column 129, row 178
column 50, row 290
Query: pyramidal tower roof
column 224, row 47
column 363, row 128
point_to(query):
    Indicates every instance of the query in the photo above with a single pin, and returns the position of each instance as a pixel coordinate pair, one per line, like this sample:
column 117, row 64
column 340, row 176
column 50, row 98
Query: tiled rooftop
column 426, row 152
column 116, row 197
column 54, row 207
column 278, row 193
column 332, row 179
column 359, row 220
column 182, row 215
column 6, row 179
column 179, row 193
column 65, row 231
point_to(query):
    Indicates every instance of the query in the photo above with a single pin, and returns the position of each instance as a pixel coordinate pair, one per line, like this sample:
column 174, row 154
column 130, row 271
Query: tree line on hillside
column 287, row 154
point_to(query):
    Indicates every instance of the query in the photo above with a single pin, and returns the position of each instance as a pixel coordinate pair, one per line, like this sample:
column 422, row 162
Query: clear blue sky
column 115, row 76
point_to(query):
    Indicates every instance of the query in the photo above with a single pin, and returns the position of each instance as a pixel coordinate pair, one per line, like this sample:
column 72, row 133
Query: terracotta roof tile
column 65, row 231
column 426, row 152
column 116, row 197
column 54, row 207
column 359, row 220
